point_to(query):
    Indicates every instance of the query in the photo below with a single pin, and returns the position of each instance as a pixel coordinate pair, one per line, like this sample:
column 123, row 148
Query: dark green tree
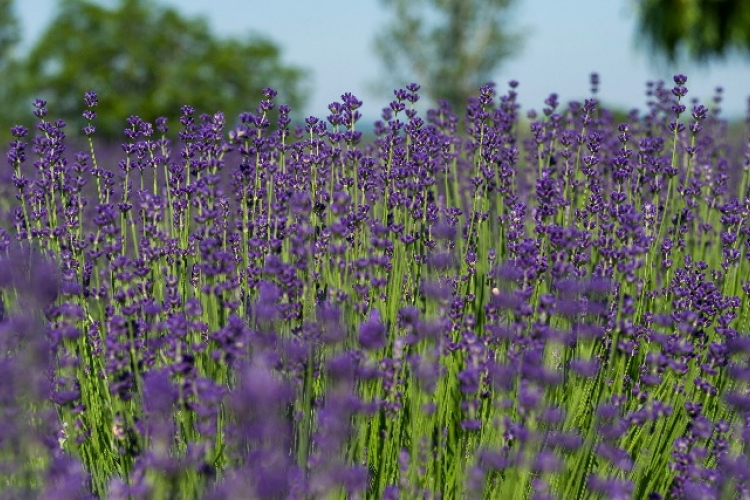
column 10, row 35
column 148, row 60
column 9, row 31
column 450, row 47
column 700, row 29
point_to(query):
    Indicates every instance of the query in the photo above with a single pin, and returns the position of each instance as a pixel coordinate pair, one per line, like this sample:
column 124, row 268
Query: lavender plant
column 460, row 308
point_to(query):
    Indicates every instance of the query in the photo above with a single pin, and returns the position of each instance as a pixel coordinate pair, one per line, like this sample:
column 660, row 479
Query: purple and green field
column 468, row 304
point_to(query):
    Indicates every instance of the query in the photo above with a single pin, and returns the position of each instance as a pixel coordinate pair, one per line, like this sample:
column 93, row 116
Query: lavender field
column 473, row 304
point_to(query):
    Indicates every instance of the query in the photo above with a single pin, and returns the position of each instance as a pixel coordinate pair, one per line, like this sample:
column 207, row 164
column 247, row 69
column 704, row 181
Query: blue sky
column 566, row 41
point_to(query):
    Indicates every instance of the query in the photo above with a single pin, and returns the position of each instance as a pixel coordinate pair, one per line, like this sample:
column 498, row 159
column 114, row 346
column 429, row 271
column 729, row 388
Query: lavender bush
column 463, row 308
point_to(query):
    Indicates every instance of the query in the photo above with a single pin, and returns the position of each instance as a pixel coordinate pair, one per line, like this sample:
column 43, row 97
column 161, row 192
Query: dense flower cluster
column 476, row 306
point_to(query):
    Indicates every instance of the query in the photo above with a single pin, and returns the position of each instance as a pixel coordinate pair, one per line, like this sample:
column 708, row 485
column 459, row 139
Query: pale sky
column 568, row 39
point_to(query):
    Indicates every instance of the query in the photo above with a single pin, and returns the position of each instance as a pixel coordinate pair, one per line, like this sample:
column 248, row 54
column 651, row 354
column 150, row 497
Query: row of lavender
column 448, row 311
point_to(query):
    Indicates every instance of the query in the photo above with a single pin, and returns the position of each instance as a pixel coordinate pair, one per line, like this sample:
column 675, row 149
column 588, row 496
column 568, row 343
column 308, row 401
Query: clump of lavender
column 462, row 307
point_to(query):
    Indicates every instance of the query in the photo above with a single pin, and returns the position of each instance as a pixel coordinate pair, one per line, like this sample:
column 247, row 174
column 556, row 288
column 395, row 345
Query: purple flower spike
column 91, row 99
column 372, row 333
column 680, row 80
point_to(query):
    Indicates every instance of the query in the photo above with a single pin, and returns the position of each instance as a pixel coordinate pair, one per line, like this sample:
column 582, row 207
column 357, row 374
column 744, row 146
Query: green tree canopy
column 9, row 30
column 146, row 59
column 703, row 29
column 450, row 47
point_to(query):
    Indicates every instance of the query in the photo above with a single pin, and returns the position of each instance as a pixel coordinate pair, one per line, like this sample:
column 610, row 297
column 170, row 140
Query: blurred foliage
column 9, row 30
column 450, row 47
column 146, row 59
column 703, row 29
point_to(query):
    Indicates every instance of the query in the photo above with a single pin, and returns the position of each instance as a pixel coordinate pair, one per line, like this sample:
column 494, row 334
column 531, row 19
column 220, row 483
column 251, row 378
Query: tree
column 450, row 47
column 148, row 60
column 9, row 31
column 10, row 35
column 701, row 28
